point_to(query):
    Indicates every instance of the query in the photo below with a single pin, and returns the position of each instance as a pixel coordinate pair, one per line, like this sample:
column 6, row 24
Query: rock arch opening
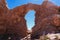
column 30, row 19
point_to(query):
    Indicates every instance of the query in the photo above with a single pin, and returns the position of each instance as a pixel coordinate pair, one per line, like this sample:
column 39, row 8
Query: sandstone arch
column 16, row 24
column 41, row 13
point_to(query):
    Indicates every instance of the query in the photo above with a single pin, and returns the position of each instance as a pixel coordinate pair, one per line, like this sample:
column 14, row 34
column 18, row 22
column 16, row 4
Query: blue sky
column 30, row 18
column 30, row 15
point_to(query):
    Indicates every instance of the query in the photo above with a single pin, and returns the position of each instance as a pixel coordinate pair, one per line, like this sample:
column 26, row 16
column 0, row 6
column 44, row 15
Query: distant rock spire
column 47, row 3
column 3, row 2
column 45, row 0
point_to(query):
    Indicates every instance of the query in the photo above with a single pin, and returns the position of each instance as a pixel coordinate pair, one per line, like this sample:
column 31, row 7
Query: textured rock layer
column 13, row 23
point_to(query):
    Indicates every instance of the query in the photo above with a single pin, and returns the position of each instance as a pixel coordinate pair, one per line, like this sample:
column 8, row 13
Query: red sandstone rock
column 13, row 22
column 43, row 27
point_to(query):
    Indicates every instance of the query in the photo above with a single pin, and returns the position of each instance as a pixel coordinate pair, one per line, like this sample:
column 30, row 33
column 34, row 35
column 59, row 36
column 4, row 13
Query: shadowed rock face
column 3, row 21
column 13, row 24
column 47, row 21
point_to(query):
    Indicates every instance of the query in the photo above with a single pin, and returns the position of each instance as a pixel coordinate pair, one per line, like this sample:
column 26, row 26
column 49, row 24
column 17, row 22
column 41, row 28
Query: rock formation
column 13, row 23
column 3, row 12
column 47, row 20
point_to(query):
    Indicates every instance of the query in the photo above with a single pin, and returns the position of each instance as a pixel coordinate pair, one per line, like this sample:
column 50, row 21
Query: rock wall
column 42, row 13
column 3, row 12
column 45, row 20
column 13, row 23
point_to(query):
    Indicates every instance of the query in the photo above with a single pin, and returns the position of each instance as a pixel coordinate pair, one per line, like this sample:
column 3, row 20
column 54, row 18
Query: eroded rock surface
column 13, row 23
column 47, row 20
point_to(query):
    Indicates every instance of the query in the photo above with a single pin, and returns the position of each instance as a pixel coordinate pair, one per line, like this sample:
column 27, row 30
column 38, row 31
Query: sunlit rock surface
column 13, row 24
column 53, row 36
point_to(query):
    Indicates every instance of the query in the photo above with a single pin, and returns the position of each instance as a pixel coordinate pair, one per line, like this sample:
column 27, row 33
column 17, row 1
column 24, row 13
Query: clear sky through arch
column 30, row 19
